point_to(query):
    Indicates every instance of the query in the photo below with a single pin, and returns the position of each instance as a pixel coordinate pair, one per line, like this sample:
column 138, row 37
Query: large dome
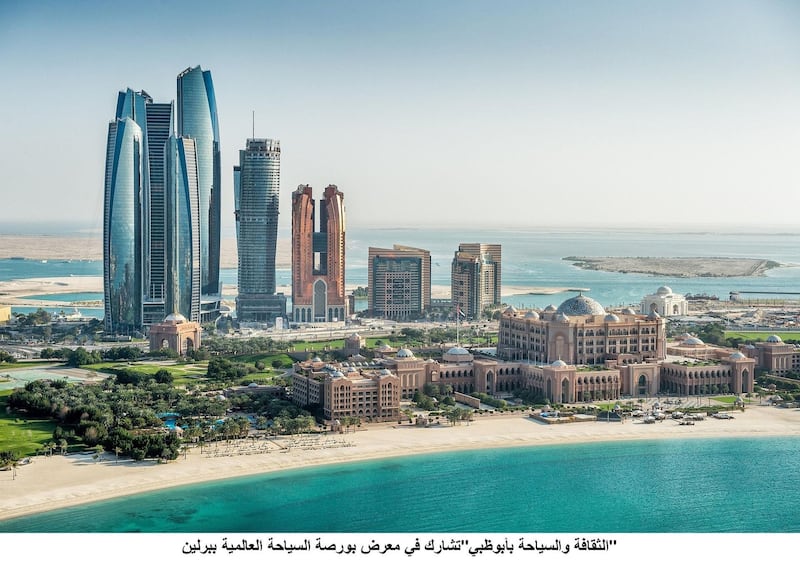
column 581, row 306
column 774, row 339
column 664, row 291
column 405, row 354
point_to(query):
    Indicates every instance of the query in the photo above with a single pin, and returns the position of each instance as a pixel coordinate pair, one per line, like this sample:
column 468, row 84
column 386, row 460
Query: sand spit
column 677, row 266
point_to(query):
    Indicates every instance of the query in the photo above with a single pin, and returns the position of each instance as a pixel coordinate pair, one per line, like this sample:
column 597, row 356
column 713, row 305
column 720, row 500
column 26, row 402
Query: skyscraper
column 475, row 281
column 122, row 277
column 399, row 282
column 256, row 183
column 197, row 118
column 318, row 254
column 154, row 223
column 183, row 228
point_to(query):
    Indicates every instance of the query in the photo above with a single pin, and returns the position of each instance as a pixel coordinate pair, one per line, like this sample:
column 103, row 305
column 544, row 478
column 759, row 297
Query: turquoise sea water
column 663, row 486
column 534, row 258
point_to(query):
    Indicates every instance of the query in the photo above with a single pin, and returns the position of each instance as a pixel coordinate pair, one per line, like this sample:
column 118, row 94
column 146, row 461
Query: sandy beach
column 59, row 481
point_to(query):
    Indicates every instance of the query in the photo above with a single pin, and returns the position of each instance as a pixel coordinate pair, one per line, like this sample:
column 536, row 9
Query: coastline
column 55, row 482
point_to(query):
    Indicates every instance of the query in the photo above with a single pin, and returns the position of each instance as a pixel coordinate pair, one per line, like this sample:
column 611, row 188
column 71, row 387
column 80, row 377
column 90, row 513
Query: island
column 683, row 267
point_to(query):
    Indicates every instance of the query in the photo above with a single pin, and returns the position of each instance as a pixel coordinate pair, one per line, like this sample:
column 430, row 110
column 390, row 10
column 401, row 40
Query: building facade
column 197, row 118
column 122, row 228
column 368, row 393
column 665, row 303
column 318, row 256
column 256, row 183
column 581, row 332
column 398, row 282
column 160, row 228
column 476, row 280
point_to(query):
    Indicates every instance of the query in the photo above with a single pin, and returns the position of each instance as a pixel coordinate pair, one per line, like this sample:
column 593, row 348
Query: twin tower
column 161, row 220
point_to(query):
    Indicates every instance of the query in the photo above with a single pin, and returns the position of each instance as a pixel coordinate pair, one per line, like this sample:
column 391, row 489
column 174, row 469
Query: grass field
column 762, row 336
column 22, row 437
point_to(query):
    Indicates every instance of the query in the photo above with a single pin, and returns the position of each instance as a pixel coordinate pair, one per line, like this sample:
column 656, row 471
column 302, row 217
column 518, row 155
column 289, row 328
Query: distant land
column 90, row 248
column 683, row 267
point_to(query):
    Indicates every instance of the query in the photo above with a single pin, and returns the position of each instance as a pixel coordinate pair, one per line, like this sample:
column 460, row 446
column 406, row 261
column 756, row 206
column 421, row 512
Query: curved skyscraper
column 256, row 186
column 183, row 228
column 197, row 118
column 122, row 227
column 161, row 208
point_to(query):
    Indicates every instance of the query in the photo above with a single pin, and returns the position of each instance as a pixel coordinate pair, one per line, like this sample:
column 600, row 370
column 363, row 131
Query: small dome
column 175, row 318
column 653, row 315
column 385, row 372
column 316, row 360
column 774, row 339
column 629, row 311
column 510, row 310
column 664, row 291
column 581, row 306
column 737, row 355
column 694, row 341
column 532, row 315
column 561, row 317
column 611, row 318
column 558, row 363
column 550, row 308
column 457, row 351
column 404, row 354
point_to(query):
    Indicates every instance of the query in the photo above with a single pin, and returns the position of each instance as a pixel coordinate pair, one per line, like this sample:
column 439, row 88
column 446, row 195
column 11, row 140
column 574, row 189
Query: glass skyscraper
column 197, row 118
column 161, row 208
column 183, row 228
column 256, row 186
column 122, row 284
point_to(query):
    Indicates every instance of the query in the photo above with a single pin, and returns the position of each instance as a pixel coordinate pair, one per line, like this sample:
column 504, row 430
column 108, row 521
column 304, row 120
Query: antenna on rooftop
column 254, row 124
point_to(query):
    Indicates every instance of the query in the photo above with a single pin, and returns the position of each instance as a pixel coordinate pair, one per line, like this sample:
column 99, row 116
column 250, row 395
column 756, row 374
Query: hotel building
column 256, row 182
column 318, row 255
column 161, row 210
column 476, row 280
column 197, row 119
column 371, row 393
column 399, row 282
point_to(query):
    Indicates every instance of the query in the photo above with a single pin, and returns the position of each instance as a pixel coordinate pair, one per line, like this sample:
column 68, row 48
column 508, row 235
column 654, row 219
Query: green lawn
column 22, row 436
column 762, row 336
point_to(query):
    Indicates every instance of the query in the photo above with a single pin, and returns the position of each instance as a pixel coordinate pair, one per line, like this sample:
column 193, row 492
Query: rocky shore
column 677, row 266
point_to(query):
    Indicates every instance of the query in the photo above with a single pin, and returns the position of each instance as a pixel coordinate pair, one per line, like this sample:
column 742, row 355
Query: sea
column 533, row 257
column 664, row 486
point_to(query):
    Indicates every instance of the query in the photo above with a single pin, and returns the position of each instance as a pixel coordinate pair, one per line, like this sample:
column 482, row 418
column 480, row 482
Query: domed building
column 175, row 333
column 776, row 356
column 665, row 303
column 581, row 332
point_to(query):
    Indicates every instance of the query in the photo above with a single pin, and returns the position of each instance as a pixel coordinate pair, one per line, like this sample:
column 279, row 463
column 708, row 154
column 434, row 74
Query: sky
column 429, row 113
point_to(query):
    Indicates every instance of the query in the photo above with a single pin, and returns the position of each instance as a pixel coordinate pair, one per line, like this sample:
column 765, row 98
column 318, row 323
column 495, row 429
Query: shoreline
column 55, row 482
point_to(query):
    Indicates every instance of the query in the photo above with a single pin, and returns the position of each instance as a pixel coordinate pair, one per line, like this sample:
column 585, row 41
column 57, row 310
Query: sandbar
column 681, row 267
column 90, row 248
column 49, row 483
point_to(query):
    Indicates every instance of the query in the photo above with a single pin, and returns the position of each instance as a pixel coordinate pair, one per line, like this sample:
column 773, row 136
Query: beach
column 49, row 483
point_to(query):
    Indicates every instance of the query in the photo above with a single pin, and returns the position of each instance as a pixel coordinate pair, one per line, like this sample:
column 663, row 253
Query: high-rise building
column 197, row 118
column 475, row 281
column 256, row 182
column 183, row 229
column 399, row 282
column 122, row 276
column 318, row 254
column 155, row 121
column 155, row 217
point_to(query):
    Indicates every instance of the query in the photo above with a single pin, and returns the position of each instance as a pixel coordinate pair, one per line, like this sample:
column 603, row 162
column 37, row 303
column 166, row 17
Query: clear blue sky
column 519, row 113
